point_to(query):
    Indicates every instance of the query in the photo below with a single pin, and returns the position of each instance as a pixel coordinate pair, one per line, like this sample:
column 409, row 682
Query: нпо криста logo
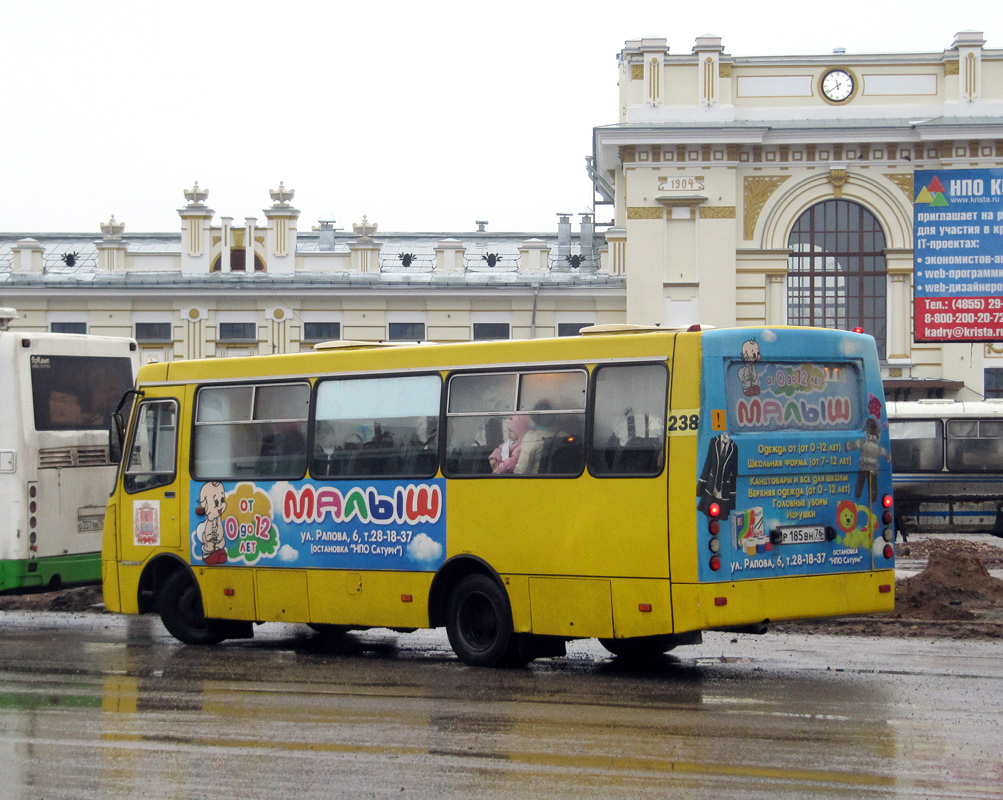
column 932, row 194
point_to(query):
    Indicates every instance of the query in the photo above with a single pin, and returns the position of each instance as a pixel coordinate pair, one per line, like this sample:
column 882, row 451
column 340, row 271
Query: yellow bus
column 634, row 485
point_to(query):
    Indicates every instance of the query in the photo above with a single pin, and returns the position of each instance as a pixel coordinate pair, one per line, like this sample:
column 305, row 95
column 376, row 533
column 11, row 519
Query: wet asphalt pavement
column 101, row 706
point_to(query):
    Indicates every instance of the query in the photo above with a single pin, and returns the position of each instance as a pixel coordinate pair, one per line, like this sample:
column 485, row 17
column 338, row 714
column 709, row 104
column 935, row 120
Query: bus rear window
column 77, row 393
column 793, row 396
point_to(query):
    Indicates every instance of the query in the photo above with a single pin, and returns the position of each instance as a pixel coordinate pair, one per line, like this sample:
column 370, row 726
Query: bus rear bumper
column 707, row 606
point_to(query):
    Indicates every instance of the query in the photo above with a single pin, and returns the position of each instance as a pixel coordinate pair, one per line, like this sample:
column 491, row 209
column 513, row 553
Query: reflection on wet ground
column 104, row 706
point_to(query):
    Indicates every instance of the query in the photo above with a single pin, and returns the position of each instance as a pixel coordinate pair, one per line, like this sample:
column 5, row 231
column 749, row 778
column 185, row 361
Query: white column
column 708, row 51
column 249, row 224
column 776, row 298
column 449, row 255
column 29, row 255
column 224, row 258
column 969, row 45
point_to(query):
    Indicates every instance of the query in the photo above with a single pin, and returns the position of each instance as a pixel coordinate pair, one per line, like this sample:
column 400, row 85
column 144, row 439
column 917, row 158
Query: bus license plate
column 802, row 534
column 89, row 524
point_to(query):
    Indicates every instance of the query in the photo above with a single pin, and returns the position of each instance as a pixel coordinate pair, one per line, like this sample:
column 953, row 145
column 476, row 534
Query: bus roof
column 936, row 408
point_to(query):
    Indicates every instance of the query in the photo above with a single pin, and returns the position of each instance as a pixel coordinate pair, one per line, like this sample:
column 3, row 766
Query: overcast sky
column 425, row 116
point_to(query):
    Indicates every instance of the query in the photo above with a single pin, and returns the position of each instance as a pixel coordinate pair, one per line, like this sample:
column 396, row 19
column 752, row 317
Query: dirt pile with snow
column 953, row 586
column 81, row 598
column 954, row 596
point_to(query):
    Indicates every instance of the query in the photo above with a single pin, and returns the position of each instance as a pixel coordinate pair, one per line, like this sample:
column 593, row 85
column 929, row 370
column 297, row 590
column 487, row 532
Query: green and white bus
column 55, row 476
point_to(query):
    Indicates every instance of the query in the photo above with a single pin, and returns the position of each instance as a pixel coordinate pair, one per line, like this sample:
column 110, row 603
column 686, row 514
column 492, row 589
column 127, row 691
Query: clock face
column 837, row 85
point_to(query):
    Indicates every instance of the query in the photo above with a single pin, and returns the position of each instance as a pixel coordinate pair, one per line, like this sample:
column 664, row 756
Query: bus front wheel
column 479, row 623
column 180, row 606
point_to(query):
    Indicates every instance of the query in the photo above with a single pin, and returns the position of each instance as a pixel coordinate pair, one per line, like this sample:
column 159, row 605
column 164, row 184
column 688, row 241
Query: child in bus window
column 504, row 458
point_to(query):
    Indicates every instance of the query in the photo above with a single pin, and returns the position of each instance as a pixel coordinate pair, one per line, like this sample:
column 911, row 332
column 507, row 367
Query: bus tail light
column 720, row 601
column 714, row 510
column 32, row 519
column 715, row 563
column 888, row 551
column 885, row 588
column 645, row 607
column 886, row 501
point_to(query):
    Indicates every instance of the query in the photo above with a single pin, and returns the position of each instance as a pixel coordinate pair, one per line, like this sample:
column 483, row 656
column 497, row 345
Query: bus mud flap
column 230, row 628
column 537, row 646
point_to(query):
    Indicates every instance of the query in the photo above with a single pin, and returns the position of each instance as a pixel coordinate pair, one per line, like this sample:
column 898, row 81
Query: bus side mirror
column 116, row 436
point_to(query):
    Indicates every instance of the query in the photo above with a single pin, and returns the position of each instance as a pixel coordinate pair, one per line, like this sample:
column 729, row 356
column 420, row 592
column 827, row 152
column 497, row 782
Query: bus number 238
column 684, row 422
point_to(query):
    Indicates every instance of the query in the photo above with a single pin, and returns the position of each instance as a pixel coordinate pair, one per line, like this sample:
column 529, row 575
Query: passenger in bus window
column 545, row 427
column 282, row 450
column 419, row 453
column 286, row 439
column 505, row 457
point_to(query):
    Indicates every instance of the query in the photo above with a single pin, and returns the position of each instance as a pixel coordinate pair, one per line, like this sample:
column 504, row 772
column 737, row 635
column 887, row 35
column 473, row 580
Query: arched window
column 836, row 274
column 237, row 261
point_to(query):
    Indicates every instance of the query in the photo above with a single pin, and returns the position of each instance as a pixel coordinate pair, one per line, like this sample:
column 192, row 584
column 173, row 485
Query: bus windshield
column 77, row 393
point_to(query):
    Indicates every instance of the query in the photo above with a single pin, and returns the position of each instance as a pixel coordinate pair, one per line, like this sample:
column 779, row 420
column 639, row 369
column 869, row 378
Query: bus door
column 150, row 500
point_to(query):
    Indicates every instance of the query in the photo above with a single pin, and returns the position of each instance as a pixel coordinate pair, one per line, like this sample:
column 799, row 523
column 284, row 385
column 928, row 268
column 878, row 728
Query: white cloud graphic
column 424, row 548
column 277, row 494
column 288, row 553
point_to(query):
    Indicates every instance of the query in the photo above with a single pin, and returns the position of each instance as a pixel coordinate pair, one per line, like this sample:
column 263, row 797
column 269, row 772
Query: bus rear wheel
column 479, row 624
column 639, row 648
column 179, row 604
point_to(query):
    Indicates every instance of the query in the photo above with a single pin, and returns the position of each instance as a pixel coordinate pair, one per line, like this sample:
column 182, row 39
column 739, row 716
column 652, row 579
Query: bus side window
column 377, row 427
column 151, row 460
column 974, row 445
column 251, row 431
column 917, row 445
column 508, row 424
column 628, row 427
column 478, row 410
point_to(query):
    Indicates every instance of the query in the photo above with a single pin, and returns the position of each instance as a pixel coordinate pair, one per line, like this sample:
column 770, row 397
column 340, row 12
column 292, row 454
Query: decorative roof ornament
column 196, row 196
column 112, row 229
column 364, row 229
column 282, row 195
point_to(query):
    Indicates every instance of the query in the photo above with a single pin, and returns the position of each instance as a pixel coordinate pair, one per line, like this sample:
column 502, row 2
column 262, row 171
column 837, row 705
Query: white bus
column 59, row 391
column 947, row 460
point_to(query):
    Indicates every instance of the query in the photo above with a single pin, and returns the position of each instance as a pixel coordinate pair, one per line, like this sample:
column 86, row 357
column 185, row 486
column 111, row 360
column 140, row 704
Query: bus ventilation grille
column 59, row 457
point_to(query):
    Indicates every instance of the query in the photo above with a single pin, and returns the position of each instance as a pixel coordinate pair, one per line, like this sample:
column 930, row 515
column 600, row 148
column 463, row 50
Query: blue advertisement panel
column 359, row 525
column 958, row 254
column 796, row 460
